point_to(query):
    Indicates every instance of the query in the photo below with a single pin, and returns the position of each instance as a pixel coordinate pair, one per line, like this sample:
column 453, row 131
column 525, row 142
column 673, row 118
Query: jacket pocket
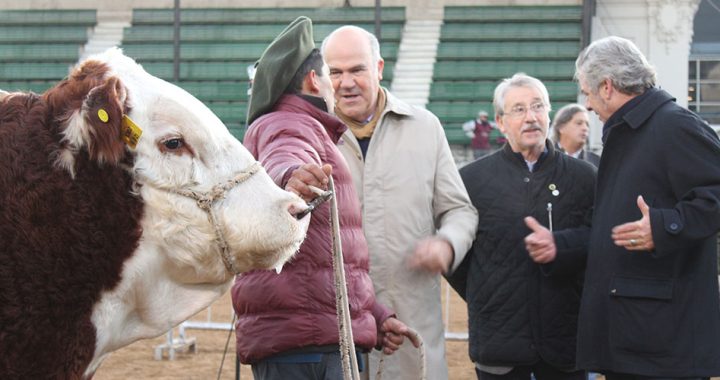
column 657, row 289
column 642, row 315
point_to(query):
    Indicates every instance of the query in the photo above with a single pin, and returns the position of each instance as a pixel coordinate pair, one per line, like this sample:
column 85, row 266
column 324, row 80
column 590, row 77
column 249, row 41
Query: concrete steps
column 107, row 33
column 416, row 60
column 416, row 55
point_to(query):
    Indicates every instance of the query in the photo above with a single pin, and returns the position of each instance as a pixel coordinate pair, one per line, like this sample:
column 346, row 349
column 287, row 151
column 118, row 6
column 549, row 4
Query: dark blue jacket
column 519, row 311
column 655, row 313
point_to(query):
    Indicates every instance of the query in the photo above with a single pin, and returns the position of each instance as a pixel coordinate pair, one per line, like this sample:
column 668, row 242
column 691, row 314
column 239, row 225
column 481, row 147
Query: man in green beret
column 287, row 324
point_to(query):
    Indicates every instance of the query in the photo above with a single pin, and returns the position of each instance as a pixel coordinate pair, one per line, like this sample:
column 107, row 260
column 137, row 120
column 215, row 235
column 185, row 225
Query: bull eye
column 174, row 144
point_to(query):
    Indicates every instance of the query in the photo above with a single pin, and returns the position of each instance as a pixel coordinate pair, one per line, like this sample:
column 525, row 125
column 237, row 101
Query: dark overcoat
column 655, row 313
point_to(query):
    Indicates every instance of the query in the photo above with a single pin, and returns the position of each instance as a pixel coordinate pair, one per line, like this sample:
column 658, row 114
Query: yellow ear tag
column 130, row 132
column 102, row 114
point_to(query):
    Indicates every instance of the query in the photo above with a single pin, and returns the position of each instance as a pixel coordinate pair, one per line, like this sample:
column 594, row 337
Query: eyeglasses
column 521, row 110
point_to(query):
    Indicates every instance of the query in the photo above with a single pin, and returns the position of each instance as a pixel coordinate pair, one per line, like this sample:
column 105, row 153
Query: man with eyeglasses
column 523, row 310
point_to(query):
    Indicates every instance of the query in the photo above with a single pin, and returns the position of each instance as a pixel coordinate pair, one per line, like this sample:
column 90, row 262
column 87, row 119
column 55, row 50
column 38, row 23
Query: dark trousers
column 541, row 371
column 303, row 366
column 624, row 376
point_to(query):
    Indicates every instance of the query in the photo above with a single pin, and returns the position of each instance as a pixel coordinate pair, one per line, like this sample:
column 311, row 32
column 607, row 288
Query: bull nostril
column 298, row 209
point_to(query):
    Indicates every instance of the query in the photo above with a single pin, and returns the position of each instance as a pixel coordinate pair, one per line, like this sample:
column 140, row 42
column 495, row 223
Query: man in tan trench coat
column 417, row 217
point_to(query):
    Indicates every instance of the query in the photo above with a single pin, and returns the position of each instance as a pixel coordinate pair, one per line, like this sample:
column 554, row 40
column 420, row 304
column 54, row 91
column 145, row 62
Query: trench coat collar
column 637, row 110
column 639, row 114
column 395, row 105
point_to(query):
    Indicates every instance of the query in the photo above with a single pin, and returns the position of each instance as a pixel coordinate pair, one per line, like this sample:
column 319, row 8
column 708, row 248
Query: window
column 704, row 88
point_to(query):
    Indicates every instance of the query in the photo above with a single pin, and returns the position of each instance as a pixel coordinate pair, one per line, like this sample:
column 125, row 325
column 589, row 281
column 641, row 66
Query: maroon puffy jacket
column 296, row 308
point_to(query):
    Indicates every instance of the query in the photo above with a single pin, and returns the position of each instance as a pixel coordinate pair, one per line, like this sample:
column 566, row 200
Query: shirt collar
column 518, row 157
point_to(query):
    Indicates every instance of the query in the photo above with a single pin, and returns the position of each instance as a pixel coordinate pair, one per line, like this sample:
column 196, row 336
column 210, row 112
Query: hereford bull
column 126, row 206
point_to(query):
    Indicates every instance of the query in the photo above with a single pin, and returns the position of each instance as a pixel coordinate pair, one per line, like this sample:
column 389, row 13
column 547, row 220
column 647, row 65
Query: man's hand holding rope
column 392, row 334
column 307, row 175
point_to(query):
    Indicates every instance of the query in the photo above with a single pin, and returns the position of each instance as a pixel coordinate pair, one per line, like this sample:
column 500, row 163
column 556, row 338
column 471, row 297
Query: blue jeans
column 302, row 366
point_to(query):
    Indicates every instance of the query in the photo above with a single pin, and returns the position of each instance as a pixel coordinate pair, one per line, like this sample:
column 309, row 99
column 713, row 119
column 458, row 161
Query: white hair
column 619, row 60
column 517, row 80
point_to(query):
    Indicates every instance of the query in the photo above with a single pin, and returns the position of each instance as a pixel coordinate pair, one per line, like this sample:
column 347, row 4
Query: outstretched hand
column 540, row 244
column 393, row 333
column 433, row 254
column 637, row 235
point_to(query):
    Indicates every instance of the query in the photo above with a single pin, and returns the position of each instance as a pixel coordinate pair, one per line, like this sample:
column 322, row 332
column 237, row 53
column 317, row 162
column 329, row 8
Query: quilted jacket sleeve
column 283, row 141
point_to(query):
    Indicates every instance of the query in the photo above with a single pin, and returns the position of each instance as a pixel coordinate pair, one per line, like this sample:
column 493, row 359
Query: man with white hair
column 650, row 307
column 523, row 309
column 417, row 217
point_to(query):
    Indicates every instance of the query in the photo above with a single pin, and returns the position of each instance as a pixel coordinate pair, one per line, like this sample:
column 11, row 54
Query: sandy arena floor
column 137, row 360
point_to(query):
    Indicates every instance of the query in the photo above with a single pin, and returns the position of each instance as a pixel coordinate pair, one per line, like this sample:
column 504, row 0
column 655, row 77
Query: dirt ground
column 137, row 360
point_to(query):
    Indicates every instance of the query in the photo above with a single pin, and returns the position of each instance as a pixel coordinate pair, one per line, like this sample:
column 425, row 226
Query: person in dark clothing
column 570, row 130
column 650, row 308
column 522, row 314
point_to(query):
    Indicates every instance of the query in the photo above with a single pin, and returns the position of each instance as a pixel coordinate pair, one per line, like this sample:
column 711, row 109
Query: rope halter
column 206, row 200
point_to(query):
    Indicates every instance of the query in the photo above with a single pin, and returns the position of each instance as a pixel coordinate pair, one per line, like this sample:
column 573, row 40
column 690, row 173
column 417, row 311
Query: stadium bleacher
column 38, row 47
column 479, row 45
column 218, row 45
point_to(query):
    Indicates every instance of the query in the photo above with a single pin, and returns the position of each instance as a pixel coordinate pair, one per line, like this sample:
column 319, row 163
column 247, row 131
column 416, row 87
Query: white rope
column 206, row 200
column 347, row 345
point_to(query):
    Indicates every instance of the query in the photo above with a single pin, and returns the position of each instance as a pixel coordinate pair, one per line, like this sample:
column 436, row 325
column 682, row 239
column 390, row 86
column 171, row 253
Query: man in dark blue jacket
column 523, row 315
column 650, row 307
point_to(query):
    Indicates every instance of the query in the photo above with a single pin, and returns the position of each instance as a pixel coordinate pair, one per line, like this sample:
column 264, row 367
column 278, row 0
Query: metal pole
column 176, row 42
column 588, row 12
column 237, row 367
column 378, row 29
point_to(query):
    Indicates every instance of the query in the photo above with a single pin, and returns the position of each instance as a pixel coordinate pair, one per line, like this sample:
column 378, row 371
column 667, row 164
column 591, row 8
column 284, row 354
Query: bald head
column 359, row 36
column 353, row 56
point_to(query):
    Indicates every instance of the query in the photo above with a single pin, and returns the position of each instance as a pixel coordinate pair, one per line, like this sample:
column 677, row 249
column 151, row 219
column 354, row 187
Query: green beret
column 278, row 65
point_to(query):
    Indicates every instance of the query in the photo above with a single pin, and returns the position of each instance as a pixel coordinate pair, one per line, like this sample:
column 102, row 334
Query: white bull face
column 185, row 148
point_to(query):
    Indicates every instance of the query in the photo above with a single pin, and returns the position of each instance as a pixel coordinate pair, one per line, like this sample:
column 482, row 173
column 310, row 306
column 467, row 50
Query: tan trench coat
column 410, row 189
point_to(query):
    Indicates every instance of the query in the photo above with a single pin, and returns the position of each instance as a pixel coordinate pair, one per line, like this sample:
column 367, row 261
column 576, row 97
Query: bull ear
column 103, row 110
